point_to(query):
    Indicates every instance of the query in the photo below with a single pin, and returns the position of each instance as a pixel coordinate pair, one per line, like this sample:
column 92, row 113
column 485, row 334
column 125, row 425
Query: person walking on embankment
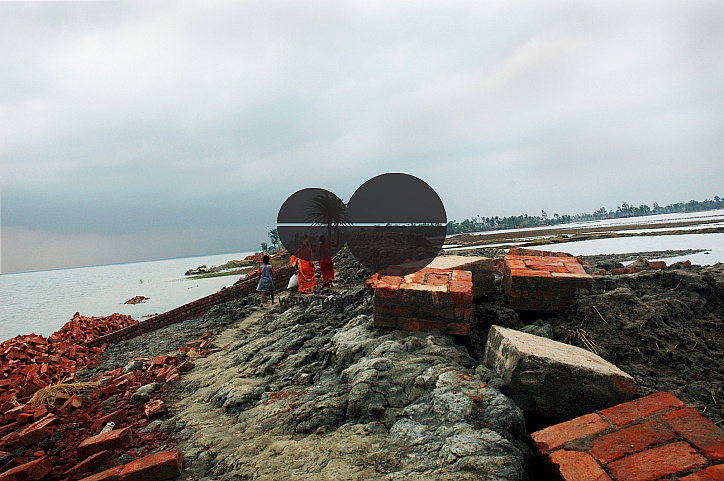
column 306, row 272
column 266, row 279
column 326, row 265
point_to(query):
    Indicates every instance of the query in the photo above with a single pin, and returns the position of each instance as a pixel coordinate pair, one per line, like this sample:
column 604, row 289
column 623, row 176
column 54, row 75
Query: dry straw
column 48, row 395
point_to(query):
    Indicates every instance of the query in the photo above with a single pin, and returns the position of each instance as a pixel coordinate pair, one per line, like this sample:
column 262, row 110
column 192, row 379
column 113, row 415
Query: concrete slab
column 554, row 379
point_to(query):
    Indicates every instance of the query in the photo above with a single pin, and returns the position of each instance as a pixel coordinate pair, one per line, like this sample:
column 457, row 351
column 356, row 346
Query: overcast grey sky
column 146, row 130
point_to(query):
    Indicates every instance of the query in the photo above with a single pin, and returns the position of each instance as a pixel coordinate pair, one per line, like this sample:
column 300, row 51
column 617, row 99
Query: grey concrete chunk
column 554, row 379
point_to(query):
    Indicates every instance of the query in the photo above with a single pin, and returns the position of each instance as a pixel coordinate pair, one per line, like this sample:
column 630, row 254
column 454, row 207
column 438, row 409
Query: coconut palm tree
column 328, row 210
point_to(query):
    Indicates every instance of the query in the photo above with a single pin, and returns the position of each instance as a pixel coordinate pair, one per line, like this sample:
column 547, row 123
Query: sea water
column 41, row 302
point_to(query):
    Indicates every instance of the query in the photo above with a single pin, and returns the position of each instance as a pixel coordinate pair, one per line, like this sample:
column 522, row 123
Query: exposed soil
column 315, row 392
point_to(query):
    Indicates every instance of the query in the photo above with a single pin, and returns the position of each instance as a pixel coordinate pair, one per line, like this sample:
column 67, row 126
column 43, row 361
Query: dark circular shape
column 306, row 215
column 398, row 224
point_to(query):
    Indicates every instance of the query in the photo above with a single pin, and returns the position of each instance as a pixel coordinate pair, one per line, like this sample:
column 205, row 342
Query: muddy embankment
column 316, row 392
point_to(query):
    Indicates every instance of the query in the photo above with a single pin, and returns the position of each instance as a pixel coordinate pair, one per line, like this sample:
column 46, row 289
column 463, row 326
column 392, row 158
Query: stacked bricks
column 194, row 309
column 425, row 300
column 482, row 269
column 652, row 438
column 542, row 283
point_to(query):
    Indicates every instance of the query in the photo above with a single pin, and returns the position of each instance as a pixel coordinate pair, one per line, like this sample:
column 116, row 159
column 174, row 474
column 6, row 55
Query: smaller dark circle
column 306, row 215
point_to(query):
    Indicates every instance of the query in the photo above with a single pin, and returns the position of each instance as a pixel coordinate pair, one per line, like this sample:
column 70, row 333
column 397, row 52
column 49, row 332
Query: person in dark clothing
column 266, row 279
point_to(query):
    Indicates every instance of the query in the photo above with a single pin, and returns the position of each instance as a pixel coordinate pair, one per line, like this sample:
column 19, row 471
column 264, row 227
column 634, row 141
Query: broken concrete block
column 554, row 379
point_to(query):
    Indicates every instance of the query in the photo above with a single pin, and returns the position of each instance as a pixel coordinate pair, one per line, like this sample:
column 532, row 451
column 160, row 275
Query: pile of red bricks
column 647, row 264
column 32, row 362
column 542, row 283
column 425, row 300
column 652, row 438
column 62, row 439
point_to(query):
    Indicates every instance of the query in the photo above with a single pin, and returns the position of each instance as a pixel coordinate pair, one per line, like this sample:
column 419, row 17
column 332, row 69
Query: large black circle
column 398, row 224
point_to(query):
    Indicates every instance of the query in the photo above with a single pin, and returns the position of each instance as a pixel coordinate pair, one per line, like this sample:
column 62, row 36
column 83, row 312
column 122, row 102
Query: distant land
column 479, row 224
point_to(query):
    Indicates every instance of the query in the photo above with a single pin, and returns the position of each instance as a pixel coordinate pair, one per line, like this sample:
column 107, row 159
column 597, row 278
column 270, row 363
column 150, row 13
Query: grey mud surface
column 314, row 392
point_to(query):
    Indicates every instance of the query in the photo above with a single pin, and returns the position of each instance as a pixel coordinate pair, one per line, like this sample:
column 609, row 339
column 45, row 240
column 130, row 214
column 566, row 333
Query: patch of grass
column 236, row 272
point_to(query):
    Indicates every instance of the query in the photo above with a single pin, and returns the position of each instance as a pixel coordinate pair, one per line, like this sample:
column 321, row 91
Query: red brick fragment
column 640, row 408
column 10, row 442
column 698, row 430
column 7, row 429
column 75, row 401
column 154, row 408
column 554, row 437
column 116, row 416
column 120, row 438
column 107, row 475
column 24, row 417
column 630, row 440
column 92, row 463
column 37, row 431
column 712, row 473
column 577, row 466
column 657, row 463
column 12, row 413
column 40, row 412
column 154, row 467
column 32, row 471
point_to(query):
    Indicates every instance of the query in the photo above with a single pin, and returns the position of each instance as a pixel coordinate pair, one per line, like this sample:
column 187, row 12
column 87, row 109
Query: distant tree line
column 477, row 224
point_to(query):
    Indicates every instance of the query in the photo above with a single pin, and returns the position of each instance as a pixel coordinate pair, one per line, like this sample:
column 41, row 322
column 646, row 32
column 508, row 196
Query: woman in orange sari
column 302, row 260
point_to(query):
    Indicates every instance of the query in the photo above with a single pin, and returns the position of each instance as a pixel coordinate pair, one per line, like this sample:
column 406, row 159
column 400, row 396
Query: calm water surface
column 41, row 302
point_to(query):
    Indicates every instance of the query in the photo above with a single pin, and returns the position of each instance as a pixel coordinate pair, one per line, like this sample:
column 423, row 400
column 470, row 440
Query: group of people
column 305, row 269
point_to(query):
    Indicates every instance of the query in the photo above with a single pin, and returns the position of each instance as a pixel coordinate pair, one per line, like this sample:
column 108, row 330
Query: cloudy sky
column 147, row 130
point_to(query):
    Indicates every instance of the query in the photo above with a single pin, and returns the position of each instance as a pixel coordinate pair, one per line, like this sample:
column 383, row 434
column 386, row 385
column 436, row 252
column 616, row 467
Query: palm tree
column 329, row 210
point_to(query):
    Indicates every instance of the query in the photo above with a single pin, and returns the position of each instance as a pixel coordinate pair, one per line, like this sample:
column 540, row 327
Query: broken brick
column 154, row 408
column 32, row 471
column 92, row 463
column 120, row 438
column 154, row 467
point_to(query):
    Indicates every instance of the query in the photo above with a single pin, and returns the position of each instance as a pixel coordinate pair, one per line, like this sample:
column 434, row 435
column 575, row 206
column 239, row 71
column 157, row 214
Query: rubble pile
column 52, row 427
column 637, row 266
column 32, row 362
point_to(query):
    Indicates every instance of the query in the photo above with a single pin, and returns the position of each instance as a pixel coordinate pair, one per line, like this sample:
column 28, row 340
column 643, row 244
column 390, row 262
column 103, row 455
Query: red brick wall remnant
column 425, row 300
column 542, row 283
column 193, row 309
column 653, row 438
